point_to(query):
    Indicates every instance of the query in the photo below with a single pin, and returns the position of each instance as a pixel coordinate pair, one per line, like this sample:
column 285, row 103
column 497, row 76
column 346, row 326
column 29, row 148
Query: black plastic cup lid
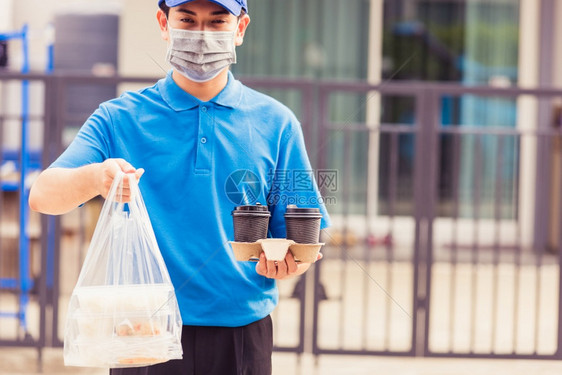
column 257, row 209
column 298, row 212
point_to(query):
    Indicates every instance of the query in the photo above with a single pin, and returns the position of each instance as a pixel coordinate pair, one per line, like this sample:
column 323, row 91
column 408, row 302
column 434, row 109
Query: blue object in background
column 24, row 161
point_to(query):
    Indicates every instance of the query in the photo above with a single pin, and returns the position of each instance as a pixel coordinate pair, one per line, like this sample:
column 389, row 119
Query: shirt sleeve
column 293, row 182
column 90, row 144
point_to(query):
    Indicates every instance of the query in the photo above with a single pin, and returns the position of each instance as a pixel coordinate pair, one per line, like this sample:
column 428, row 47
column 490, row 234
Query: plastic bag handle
column 105, row 217
column 111, row 195
column 138, row 210
column 111, row 211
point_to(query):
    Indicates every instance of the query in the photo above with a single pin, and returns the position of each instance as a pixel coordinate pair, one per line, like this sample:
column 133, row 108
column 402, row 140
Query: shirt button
column 203, row 140
column 204, row 109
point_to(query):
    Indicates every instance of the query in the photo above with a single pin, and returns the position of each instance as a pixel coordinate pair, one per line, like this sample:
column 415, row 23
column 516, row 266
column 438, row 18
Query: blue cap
column 233, row 6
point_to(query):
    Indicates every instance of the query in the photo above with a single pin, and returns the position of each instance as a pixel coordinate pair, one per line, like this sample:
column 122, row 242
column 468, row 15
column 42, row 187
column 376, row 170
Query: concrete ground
column 24, row 361
column 364, row 290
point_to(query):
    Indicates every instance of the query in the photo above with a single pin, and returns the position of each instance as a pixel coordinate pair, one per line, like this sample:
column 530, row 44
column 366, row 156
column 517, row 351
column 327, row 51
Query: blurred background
column 433, row 127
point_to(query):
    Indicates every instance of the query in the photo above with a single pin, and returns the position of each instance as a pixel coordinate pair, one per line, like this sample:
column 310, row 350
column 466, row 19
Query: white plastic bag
column 123, row 311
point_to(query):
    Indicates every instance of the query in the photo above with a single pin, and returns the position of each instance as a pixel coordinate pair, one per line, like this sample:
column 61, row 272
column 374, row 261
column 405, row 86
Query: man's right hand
column 109, row 169
column 59, row 190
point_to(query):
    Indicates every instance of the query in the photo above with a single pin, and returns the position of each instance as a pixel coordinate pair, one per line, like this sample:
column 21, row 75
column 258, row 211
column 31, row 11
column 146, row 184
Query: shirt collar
column 179, row 100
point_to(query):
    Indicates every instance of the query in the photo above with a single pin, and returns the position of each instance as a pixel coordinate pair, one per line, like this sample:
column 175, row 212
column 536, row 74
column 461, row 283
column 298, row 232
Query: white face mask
column 201, row 55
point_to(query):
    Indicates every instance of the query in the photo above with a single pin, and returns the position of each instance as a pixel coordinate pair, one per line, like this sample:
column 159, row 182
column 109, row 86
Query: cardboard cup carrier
column 250, row 234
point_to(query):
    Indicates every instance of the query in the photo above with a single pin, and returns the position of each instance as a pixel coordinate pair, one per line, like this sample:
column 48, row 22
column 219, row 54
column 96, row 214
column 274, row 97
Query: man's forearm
column 59, row 190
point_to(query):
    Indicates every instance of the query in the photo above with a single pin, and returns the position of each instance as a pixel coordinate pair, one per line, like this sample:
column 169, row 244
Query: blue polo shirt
column 201, row 159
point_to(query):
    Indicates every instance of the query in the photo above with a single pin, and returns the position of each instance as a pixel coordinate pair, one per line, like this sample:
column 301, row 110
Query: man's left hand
column 282, row 269
column 274, row 269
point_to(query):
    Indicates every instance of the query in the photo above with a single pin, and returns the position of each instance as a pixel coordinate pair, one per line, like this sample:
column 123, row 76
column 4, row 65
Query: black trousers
column 218, row 351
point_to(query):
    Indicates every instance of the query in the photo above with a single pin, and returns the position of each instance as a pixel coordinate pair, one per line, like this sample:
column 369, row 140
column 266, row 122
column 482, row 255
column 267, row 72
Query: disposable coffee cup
column 303, row 224
column 250, row 223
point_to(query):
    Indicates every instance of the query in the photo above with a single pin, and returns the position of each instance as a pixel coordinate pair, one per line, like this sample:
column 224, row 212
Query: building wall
column 557, row 74
column 6, row 15
column 142, row 50
column 37, row 14
column 139, row 36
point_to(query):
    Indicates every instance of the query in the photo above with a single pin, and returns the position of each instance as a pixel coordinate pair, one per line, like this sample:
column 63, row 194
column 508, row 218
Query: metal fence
column 429, row 253
column 460, row 276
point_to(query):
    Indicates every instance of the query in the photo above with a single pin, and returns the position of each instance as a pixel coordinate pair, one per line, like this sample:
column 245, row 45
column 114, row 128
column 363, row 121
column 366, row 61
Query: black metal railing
column 434, row 249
